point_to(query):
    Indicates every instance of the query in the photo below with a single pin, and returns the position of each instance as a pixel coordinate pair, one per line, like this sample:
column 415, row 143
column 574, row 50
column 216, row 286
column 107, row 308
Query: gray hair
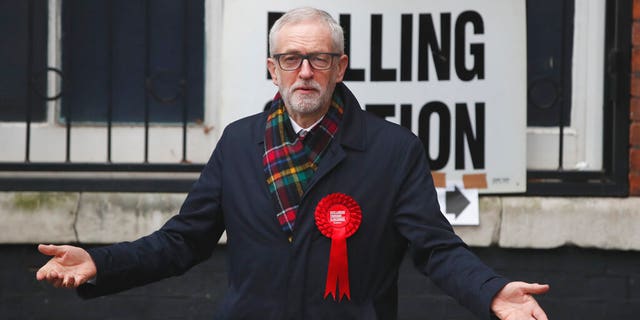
column 306, row 14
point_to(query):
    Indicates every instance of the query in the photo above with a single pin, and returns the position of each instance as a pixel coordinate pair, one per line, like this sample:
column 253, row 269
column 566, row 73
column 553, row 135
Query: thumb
column 535, row 288
column 50, row 249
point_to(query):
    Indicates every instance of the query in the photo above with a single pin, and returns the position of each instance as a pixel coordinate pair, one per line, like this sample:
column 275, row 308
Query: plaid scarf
column 289, row 162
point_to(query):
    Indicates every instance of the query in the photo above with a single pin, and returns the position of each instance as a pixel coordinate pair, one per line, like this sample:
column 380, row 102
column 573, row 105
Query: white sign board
column 459, row 205
column 454, row 72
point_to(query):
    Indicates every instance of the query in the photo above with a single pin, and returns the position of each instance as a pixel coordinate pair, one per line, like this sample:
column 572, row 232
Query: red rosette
column 338, row 217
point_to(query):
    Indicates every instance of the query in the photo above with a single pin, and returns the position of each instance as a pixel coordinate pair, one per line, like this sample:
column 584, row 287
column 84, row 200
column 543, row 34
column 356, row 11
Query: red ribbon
column 338, row 217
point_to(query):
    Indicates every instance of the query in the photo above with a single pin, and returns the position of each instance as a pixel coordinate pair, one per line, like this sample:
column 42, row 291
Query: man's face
column 306, row 90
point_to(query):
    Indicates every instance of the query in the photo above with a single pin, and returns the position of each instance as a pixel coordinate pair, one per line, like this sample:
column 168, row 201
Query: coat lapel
column 350, row 135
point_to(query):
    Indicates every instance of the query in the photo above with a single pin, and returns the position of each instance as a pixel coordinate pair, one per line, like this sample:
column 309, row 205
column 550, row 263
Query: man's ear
column 342, row 67
column 271, row 65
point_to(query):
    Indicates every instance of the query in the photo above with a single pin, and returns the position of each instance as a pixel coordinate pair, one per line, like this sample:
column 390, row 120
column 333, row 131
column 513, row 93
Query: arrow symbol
column 456, row 201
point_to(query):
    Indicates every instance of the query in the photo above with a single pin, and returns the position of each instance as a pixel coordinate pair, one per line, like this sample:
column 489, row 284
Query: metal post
column 561, row 99
column 183, row 82
column 147, row 36
column 67, row 84
column 110, row 77
column 27, row 154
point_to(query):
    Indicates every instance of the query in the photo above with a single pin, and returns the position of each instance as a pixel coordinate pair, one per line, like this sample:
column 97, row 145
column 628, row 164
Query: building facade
column 108, row 110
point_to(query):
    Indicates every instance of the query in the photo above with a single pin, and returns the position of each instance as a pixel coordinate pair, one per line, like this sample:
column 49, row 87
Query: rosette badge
column 338, row 217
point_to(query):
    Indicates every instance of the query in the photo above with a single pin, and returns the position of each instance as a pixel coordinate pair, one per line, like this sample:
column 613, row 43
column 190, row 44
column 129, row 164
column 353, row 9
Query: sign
column 453, row 72
column 459, row 205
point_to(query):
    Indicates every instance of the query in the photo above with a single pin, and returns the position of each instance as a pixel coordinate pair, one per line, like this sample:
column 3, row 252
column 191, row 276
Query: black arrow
column 456, row 202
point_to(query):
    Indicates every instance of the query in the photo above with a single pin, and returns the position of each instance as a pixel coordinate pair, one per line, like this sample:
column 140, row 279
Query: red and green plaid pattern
column 289, row 162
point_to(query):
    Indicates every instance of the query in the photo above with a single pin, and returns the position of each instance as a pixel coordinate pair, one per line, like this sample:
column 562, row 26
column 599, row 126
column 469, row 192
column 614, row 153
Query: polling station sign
column 453, row 72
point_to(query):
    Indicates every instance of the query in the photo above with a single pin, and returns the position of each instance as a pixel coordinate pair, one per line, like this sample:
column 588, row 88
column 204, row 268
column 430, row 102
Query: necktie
column 302, row 134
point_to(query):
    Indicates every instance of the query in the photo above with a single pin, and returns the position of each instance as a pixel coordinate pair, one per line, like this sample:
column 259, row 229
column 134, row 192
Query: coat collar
column 351, row 131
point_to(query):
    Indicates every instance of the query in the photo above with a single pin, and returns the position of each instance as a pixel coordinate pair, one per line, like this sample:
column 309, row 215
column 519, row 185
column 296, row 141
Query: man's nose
column 306, row 71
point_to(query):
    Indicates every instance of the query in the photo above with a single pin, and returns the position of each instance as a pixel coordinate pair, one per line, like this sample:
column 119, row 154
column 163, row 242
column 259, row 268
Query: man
column 320, row 201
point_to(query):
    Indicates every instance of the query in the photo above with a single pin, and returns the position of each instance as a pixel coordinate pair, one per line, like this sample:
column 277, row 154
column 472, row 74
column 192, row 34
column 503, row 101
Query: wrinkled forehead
column 304, row 36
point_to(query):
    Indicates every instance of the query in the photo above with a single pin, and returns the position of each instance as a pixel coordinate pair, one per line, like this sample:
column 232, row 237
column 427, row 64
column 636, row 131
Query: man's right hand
column 70, row 266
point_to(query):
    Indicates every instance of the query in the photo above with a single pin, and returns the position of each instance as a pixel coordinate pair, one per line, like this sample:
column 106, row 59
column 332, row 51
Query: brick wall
column 634, row 139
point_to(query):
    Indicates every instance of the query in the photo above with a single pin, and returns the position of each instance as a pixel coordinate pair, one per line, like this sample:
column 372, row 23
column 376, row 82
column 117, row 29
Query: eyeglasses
column 293, row 61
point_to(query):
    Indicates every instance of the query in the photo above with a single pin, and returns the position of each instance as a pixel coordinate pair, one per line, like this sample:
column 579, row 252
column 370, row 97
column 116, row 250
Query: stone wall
column 508, row 222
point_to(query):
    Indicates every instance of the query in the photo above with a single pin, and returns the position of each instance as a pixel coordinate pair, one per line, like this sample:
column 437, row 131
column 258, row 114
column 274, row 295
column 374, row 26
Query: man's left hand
column 515, row 301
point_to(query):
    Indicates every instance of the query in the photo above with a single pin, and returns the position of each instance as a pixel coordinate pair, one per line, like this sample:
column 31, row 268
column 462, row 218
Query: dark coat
column 379, row 164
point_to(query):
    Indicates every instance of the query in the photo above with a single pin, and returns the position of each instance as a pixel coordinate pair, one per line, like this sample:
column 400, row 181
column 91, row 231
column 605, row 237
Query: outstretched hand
column 515, row 302
column 70, row 266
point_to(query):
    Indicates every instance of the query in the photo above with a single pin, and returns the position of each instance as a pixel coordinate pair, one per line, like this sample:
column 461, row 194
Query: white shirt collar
column 297, row 128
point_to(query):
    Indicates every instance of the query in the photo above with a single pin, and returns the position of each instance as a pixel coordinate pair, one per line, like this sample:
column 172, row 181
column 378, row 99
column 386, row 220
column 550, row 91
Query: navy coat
column 379, row 164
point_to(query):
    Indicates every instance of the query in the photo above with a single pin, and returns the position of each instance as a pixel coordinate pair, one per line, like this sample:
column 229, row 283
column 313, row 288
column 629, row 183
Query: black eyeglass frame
column 308, row 57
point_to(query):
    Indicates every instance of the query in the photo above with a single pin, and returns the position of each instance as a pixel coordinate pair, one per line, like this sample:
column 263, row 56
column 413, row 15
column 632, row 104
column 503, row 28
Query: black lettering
column 464, row 130
column 440, row 52
column 377, row 72
column 350, row 74
column 406, row 46
column 475, row 49
column 405, row 116
column 444, row 141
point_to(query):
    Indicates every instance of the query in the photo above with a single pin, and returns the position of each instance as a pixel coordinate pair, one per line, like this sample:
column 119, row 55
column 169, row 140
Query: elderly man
column 320, row 201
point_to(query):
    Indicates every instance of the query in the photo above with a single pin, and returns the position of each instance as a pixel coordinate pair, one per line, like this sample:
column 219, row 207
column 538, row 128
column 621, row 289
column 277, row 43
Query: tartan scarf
column 289, row 162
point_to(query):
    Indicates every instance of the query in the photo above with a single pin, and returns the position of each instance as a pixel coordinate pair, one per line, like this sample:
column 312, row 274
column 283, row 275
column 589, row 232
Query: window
column 23, row 60
column 133, row 61
column 578, row 89
column 549, row 52
column 105, row 95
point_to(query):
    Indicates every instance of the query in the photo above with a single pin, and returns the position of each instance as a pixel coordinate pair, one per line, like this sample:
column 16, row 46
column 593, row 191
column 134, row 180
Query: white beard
column 306, row 104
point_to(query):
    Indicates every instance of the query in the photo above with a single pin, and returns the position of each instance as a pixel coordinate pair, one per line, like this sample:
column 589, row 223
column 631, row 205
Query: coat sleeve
column 185, row 240
column 436, row 251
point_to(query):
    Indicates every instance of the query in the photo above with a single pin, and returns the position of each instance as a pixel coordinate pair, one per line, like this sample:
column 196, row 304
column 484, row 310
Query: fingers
column 539, row 314
column 77, row 281
column 68, row 282
column 59, row 280
column 52, row 277
column 41, row 274
column 56, row 283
